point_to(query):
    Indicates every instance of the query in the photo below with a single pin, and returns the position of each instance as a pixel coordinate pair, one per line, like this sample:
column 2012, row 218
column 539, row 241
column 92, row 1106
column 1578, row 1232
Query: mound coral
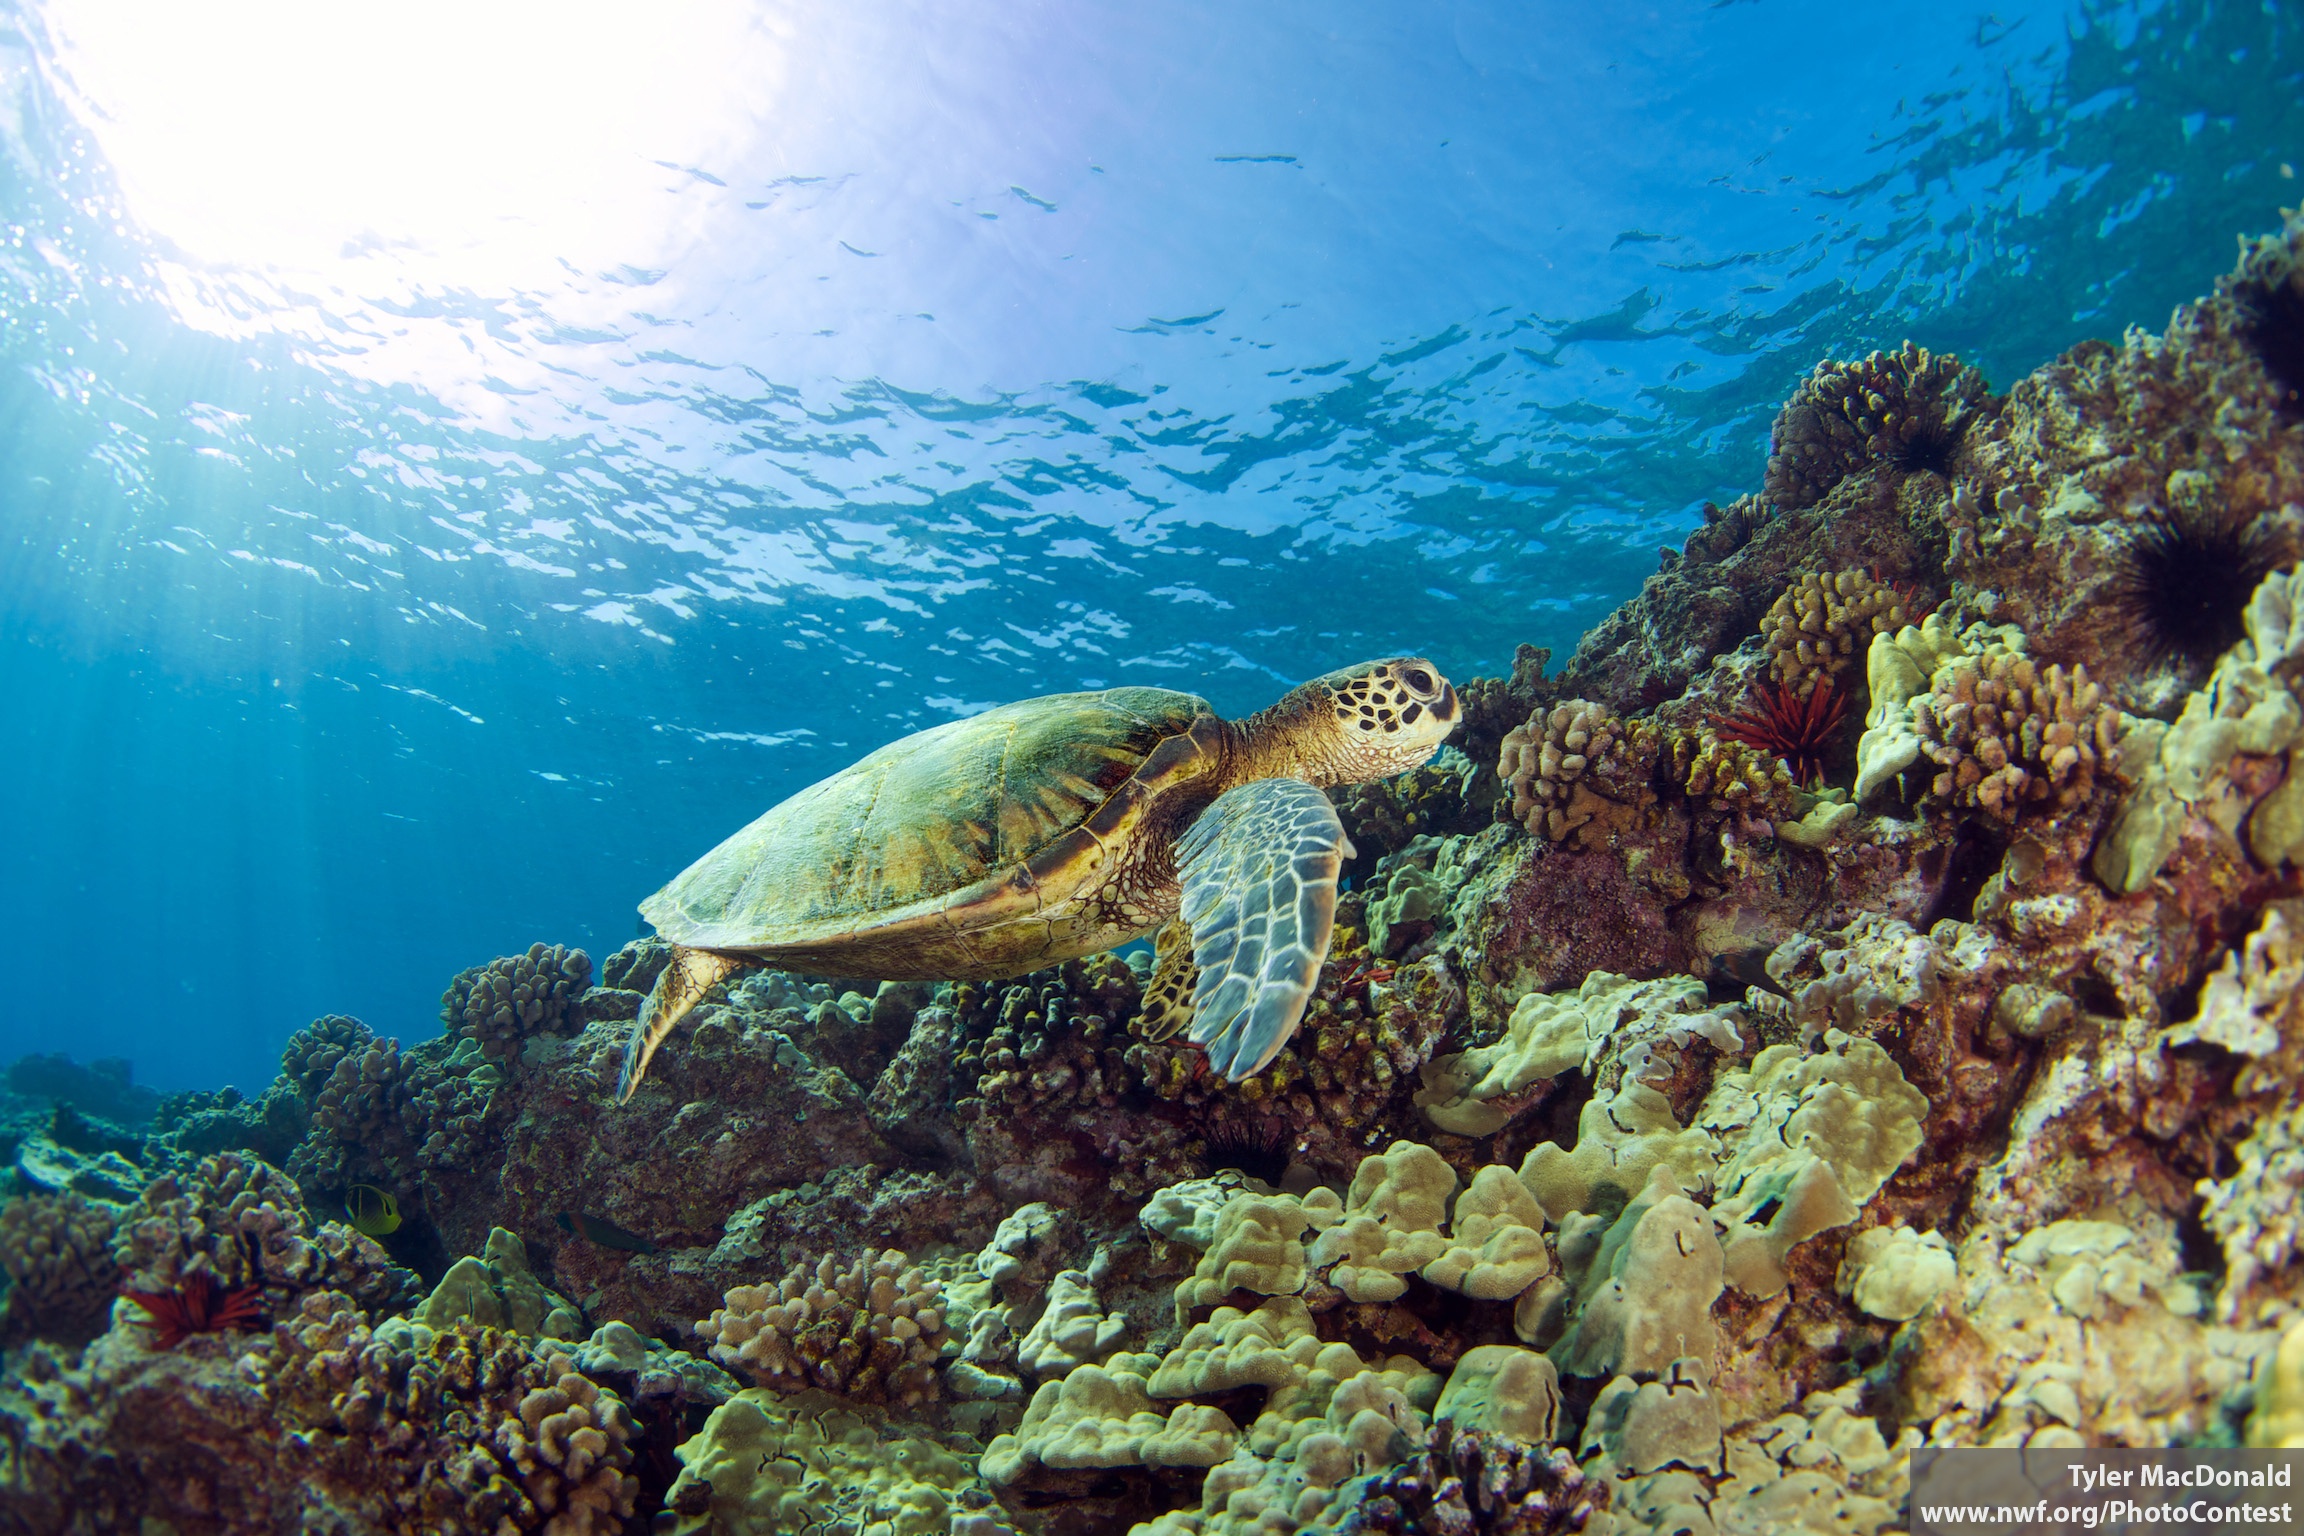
column 500, row 1004
column 57, row 1250
column 1907, row 409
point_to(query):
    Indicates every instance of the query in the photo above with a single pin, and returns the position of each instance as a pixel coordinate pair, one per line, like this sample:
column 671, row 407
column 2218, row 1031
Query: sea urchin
column 2184, row 582
column 2274, row 330
column 1258, row 1150
column 1800, row 731
column 198, row 1304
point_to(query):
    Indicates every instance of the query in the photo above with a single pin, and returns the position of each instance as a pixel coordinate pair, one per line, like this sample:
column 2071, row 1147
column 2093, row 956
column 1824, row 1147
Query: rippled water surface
column 457, row 470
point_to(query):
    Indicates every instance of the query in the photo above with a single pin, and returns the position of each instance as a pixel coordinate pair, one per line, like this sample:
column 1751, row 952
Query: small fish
column 371, row 1210
column 606, row 1233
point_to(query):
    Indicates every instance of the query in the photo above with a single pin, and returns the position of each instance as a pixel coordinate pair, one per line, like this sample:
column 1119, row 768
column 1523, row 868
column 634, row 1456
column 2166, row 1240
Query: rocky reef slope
column 1856, row 1004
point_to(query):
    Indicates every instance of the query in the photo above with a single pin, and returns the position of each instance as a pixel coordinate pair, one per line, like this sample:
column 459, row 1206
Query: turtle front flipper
column 1168, row 995
column 680, row 987
column 1258, row 870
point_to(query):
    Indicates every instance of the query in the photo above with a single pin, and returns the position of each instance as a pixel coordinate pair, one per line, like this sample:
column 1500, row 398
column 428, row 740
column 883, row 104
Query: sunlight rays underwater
column 616, row 431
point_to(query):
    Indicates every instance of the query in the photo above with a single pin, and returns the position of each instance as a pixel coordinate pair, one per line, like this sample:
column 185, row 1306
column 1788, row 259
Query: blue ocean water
column 453, row 477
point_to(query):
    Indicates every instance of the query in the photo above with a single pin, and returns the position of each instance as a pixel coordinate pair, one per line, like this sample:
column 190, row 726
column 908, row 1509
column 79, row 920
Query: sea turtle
column 1056, row 827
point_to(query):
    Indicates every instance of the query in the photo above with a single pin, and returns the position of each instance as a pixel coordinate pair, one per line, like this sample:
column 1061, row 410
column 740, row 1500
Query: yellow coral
column 1728, row 775
column 1822, row 624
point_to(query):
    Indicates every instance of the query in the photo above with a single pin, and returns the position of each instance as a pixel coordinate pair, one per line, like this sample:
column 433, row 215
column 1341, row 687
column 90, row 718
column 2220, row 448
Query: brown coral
column 313, row 1051
column 1475, row 1481
column 1823, row 625
column 458, row 1429
column 57, row 1250
column 242, row 1222
column 1559, row 760
column 870, row 1331
column 358, row 1130
column 1908, row 409
column 1054, row 1036
column 503, row 1002
column 2009, row 737
column 1728, row 775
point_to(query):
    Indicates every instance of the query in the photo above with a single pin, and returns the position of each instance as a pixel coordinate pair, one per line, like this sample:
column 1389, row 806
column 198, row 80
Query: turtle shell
column 886, row 859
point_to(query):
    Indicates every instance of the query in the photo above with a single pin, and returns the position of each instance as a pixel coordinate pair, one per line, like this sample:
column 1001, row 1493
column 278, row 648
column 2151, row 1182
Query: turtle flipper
column 680, row 987
column 1168, row 995
column 1259, row 875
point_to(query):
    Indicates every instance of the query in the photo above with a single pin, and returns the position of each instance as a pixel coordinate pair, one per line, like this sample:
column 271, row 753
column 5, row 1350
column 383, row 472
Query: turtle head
column 1373, row 720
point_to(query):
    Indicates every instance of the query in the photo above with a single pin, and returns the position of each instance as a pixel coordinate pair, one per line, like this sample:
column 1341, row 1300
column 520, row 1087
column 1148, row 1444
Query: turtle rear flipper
column 679, row 988
column 1258, row 870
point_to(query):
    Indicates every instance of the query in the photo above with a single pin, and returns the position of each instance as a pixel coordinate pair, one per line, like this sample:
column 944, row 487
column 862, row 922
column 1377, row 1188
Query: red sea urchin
column 1798, row 730
column 198, row 1304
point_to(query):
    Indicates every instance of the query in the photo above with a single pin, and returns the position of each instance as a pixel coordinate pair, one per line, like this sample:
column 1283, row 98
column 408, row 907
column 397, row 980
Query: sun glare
column 469, row 144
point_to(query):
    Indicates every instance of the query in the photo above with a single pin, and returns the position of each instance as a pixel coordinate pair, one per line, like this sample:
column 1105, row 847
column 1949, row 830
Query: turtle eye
column 1418, row 679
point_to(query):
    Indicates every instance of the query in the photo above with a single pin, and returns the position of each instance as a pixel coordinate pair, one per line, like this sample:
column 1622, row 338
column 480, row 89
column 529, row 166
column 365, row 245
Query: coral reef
column 1824, row 624
column 1706, row 1102
column 499, row 1004
column 241, row 1223
column 870, row 1331
column 57, row 1250
column 1909, row 409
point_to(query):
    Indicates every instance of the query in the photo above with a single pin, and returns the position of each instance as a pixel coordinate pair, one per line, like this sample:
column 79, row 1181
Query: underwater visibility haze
column 432, row 527
column 1833, row 475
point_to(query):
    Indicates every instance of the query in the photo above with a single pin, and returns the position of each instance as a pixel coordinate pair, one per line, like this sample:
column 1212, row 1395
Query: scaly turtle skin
column 1056, row 827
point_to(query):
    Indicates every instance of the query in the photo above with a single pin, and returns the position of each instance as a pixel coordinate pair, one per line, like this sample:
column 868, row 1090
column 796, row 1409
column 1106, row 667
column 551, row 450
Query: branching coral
column 500, row 1004
column 1824, row 624
column 2008, row 737
column 359, row 1130
column 1907, row 409
column 870, row 1331
column 57, row 1250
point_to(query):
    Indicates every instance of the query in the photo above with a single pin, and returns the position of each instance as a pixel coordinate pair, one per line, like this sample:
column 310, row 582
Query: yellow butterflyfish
column 371, row 1210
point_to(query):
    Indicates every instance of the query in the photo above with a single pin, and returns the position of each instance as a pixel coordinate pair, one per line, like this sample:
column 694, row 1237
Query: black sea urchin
column 2275, row 333
column 2185, row 579
column 1259, row 1151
